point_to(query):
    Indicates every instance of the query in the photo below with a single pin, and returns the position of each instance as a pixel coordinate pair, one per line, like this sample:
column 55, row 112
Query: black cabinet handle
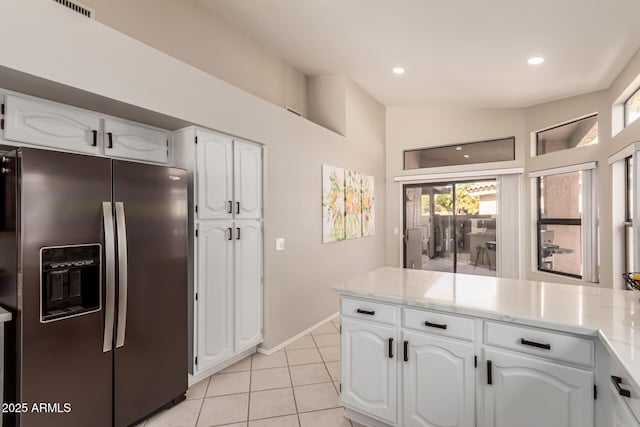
column 110, row 135
column 535, row 344
column 238, row 230
column 230, row 233
column 617, row 381
column 406, row 351
column 230, row 207
column 95, row 138
column 435, row 325
column 237, row 207
column 489, row 373
column 390, row 348
column 368, row 312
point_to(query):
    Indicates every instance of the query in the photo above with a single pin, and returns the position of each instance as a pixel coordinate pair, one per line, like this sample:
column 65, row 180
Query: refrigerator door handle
column 110, row 273
column 121, row 229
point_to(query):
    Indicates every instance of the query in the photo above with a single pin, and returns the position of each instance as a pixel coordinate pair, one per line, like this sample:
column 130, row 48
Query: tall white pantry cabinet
column 226, row 226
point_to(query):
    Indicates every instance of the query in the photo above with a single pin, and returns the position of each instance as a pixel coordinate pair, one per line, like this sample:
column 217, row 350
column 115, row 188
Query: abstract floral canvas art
column 333, row 213
column 353, row 204
column 368, row 207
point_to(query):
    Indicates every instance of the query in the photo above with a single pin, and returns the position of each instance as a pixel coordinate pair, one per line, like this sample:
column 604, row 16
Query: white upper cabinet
column 52, row 125
column 248, row 284
column 369, row 369
column 247, row 184
column 439, row 382
column 130, row 141
column 527, row 392
column 214, row 182
column 215, row 293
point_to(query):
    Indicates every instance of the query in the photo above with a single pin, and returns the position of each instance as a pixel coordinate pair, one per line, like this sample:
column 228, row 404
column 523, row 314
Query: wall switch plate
column 395, row 231
column 280, row 244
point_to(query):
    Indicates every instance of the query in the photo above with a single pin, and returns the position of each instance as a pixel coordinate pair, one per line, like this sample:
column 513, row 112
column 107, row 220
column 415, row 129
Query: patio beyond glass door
column 451, row 227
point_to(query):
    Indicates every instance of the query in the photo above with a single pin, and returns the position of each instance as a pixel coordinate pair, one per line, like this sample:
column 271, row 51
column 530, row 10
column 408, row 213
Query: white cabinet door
column 439, row 382
column 248, row 284
column 622, row 415
column 215, row 293
column 247, row 184
column 51, row 125
column 527, row 392
column 369, row 368
column 214, row 182
column 129, row 141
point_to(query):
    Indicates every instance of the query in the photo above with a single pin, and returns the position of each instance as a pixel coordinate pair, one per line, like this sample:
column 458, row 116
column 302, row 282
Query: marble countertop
column 5, row 316
column 612, row 315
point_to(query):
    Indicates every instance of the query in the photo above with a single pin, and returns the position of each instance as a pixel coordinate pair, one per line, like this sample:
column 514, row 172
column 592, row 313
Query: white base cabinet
column 439, row 381
column 369, row 369
column 447, row 370
column 527, row 392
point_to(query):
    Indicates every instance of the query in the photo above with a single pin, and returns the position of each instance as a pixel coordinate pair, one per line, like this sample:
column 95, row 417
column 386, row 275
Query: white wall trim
column 269, row 351
column 624, row 153
column 564, row 169
column 457, row 175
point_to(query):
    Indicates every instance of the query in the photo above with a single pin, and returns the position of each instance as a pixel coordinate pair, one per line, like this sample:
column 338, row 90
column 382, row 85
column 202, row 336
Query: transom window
column 632, row 108
column 577, row 133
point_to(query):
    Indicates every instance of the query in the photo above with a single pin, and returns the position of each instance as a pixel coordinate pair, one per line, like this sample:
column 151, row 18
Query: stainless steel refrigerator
column 93, row 264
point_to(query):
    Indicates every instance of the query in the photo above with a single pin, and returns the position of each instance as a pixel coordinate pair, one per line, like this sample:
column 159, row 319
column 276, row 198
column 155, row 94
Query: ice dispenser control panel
column 70, row 281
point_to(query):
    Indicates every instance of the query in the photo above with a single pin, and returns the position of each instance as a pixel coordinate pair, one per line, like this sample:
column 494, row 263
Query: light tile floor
column 295, row 387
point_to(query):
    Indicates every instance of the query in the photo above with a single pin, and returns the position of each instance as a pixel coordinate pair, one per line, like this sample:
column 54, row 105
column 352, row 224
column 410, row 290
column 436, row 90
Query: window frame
column 537, row 140
column 511, row 139
column 552, row 221
column 628, row 217
column 625, row 109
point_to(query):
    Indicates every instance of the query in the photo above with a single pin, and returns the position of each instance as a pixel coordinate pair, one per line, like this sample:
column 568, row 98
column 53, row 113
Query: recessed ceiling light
column 398, row 70
column 458, row 148
column 535, row 60
column 466, row 156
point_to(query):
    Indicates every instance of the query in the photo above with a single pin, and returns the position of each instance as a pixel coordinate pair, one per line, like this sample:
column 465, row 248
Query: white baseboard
column 192, row 379
column 282, row 345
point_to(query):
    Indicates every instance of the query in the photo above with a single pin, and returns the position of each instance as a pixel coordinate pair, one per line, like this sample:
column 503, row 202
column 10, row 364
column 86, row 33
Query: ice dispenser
column 70, row 281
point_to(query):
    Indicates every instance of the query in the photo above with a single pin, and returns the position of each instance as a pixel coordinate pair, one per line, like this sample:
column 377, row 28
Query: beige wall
column 84, row 54
column 192, row 33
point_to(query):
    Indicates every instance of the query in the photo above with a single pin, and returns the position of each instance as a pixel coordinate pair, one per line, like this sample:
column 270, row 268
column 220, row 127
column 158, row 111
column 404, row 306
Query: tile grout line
column 202, row 400
column 250, row 378
column 293, row 391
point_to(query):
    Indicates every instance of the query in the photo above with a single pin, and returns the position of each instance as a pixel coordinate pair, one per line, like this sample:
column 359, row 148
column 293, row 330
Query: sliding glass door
column 451, row 227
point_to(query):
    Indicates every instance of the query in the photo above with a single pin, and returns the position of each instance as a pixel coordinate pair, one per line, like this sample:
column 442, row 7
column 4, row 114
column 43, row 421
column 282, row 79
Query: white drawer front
column 439, row 323
column 541, row 343
column 368, row 310
column 632, row 401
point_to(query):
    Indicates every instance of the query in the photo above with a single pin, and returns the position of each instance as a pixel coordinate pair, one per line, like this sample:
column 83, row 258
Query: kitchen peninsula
column 428, row 348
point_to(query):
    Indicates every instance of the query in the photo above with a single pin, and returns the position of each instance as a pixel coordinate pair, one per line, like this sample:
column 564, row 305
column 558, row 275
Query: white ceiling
column 456, row 52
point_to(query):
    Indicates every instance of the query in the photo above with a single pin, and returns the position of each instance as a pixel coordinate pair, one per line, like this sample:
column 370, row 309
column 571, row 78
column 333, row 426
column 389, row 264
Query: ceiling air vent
column 77, row 7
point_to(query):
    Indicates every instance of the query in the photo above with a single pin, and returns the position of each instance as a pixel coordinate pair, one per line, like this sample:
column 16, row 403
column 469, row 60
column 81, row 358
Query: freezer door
column 62, row 361
column 151, row 333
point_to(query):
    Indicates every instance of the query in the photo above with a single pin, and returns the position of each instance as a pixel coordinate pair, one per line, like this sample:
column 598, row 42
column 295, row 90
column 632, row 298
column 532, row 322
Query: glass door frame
column 453, row 184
